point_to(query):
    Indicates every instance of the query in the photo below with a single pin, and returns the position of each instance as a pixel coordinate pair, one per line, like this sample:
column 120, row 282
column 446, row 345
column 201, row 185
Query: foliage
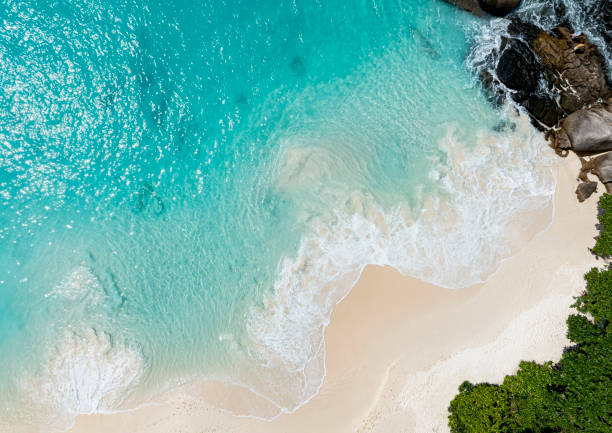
column 603, row 244
column 486, row 407
column 573, row 395
column 529, row 399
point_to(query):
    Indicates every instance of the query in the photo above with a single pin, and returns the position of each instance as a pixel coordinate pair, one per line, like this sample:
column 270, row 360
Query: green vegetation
column 603, row 245
column 573, row 395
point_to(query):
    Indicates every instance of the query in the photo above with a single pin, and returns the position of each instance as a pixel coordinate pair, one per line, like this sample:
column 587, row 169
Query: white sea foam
column 458, row 240
column 81, row 282
column 87, row 373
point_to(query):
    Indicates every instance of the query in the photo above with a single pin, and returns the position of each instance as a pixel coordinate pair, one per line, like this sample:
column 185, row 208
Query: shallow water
column 187, row 189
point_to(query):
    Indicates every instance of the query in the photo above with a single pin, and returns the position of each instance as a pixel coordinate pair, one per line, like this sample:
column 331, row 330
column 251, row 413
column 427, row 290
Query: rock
column 585, row 190
column 519, row 70
column 543, row 109
column 518, row 67
column 602, row 168
column 499, row 8
column 586, row 131
column 550, row 74
column 523, row 30
column 576, row 69
column 472, row 6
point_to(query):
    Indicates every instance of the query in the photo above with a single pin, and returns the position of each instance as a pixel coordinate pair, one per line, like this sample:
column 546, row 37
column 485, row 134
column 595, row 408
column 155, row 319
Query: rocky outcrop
column 520, row 71
column 575, row 67
column 499, row 8
column 523, row 30
column 558, row 76
column 586, row 131
column 600, row 166
column 550, row 74
column 518, row 68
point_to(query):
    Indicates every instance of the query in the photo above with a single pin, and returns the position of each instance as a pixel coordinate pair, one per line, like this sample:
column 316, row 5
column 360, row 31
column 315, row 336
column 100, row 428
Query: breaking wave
column 457, row 240
column 86, row 374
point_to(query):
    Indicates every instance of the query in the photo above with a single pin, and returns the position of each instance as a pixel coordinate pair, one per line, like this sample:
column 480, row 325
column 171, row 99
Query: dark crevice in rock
column 499, row 8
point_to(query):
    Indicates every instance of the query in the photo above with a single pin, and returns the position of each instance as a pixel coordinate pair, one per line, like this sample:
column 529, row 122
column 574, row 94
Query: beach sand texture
column 398, row 348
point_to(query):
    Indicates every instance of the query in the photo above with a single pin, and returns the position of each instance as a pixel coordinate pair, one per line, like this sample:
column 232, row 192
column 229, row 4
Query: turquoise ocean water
column 187, row 188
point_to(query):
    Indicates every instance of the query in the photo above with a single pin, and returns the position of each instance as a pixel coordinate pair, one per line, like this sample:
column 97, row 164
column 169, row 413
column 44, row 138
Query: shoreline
column 406, row 332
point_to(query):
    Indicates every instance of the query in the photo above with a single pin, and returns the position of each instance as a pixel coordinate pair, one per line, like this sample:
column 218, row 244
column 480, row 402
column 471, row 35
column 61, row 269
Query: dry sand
column 398, row 348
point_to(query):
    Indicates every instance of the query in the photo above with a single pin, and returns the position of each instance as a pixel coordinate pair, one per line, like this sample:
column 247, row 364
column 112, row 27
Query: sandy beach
column 397, row 348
